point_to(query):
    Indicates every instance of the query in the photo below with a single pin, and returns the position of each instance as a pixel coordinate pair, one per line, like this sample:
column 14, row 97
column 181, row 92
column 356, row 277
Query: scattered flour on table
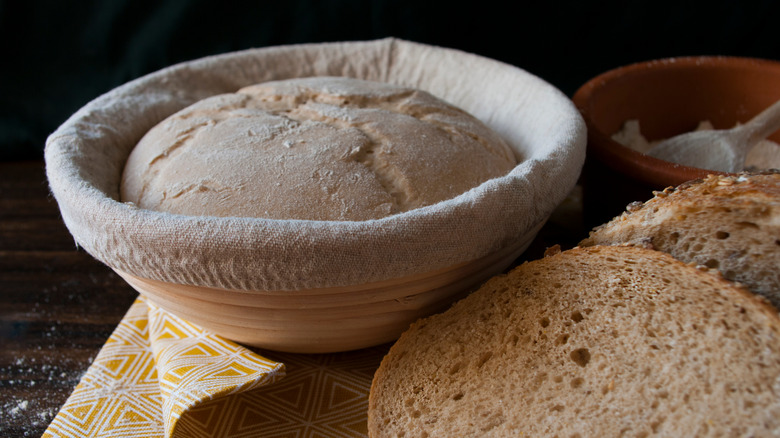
column 22, row 405
column 31, row 409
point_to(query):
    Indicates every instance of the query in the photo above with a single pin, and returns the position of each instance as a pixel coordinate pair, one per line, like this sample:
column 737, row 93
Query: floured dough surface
column 322, row 148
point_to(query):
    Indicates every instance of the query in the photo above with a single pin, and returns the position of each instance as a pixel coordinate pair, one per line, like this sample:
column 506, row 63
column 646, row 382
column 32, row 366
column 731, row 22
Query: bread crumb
column 553, row 250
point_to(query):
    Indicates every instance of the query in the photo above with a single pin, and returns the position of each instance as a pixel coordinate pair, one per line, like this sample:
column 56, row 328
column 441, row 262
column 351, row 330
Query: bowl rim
column 255, row 253
column 622, row 159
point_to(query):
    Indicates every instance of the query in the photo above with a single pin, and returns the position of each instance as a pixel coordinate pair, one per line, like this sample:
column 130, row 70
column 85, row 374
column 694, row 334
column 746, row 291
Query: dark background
column 58, row 305
column 58, row 55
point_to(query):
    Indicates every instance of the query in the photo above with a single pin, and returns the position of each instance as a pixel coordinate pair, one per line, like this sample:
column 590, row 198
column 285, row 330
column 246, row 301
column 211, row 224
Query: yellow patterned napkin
column 153, row 369
column 160, row 376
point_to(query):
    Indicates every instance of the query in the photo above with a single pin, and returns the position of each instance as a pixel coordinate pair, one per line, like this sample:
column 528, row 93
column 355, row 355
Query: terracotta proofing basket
column 314, row 286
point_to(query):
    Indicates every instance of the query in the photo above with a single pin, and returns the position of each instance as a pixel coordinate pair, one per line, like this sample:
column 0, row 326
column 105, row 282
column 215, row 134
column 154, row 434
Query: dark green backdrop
column 58, row 55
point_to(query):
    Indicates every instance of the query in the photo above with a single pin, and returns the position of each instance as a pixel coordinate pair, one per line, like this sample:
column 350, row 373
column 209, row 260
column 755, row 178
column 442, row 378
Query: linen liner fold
column 85, row 157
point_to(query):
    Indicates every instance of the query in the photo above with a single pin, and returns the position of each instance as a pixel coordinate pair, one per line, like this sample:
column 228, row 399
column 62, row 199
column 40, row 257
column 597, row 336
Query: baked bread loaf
column 591, row 342
column 729, row 223
column 320, row 148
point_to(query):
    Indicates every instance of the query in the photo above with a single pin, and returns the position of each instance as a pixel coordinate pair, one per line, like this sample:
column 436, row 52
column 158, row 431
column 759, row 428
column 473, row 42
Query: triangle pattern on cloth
column 129, row 416
column 340, row 396
column 121, row 395
column 82, row 413
column 171, row 331
column 233, row 370
column 252, row 417
column 199, row 350
column 292, row 396
column 204, row 416
column 324, row 395
column 353, row 427
column 147, row 373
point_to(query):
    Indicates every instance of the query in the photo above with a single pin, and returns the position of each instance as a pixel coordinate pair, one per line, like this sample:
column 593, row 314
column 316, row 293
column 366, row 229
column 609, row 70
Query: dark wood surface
column 58, row 305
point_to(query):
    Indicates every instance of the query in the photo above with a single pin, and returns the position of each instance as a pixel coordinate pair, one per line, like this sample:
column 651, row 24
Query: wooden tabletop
column 58, row 305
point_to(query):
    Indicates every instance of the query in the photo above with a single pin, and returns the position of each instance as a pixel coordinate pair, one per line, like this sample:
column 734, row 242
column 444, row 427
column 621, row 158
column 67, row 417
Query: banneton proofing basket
column 317, row 286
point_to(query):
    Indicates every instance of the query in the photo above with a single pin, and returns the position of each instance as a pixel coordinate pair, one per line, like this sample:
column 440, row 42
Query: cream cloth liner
column 85, row 157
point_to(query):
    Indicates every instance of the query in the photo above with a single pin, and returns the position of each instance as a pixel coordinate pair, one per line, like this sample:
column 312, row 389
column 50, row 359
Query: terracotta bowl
column 668, row 97
column 318, row 286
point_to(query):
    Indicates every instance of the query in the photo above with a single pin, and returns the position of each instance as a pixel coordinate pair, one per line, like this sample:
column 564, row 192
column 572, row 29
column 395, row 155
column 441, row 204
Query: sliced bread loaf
column 729, row 223
column 591, row 342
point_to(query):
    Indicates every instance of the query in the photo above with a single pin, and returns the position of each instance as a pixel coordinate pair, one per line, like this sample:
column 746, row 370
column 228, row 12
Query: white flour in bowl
column 764, row 155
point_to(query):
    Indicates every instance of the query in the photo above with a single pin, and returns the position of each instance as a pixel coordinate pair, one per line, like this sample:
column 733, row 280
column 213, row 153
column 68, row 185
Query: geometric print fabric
column 160, row 376
column 119, row 395
column 195, row 366
column 323, row 395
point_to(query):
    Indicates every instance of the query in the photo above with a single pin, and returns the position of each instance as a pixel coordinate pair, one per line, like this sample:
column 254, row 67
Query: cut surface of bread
column 591, row 342
column 729, row 223
column 319, row 148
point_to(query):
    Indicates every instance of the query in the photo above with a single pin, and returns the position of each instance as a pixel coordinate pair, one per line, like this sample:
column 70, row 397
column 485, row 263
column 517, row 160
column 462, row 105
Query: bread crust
column 321, row 148
column 730, row 223
column 598, row 341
